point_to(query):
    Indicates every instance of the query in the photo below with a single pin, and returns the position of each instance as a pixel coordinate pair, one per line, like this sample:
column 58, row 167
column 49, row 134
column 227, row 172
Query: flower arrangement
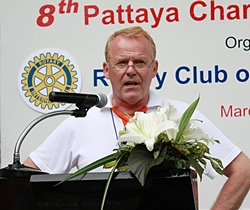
column 150, row 139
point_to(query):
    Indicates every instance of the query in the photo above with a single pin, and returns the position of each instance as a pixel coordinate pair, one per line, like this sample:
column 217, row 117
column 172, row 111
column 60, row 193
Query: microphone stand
column 20, row 170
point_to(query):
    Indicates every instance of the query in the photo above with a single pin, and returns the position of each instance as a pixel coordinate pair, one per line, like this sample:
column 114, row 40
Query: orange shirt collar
column 124, row 118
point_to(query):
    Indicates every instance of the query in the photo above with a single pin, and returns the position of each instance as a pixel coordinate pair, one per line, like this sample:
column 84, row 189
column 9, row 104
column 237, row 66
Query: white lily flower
column 144, row 128
column 173, row 114
column 192, row 132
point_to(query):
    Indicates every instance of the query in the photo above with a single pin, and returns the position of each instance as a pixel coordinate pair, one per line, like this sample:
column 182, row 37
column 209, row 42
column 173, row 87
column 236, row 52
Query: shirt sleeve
column 226, row 150
column 55, row 154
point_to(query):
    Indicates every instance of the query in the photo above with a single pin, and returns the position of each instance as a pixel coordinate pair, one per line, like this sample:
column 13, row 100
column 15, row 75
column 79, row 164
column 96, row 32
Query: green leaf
column 91, row 166
column 217, row 141
column 203, row 161
column 109, row 164
column 196, row 166
column 141, row 160
column 186, row 117
column 219, row 162
column 216, row 167
column 110, row 178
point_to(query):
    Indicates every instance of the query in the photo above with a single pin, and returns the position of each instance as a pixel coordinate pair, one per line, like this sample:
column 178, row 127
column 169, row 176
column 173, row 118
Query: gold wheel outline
column 48, row 63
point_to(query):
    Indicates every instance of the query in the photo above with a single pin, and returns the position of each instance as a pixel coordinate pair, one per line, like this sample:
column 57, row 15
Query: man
column 130, row 65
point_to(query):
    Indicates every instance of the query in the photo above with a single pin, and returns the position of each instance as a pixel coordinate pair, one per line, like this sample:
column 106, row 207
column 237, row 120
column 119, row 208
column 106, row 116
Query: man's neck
column 128, row 108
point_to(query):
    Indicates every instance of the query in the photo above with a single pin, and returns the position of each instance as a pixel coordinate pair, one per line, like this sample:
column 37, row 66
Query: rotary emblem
column 46, row 73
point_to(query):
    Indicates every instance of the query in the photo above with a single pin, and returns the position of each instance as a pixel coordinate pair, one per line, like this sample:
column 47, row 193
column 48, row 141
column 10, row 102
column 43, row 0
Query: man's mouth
column 131, row 83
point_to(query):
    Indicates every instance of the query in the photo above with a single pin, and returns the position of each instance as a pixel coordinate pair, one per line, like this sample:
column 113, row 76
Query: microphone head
column 103, row 100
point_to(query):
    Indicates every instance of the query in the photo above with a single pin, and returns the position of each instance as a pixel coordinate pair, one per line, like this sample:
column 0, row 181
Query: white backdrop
column 203, row 47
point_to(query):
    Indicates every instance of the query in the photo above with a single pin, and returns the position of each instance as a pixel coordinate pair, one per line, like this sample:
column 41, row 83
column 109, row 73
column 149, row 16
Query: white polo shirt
column 80, row 141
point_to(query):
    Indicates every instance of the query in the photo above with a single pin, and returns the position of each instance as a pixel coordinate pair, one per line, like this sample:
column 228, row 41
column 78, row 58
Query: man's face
column 130, row 86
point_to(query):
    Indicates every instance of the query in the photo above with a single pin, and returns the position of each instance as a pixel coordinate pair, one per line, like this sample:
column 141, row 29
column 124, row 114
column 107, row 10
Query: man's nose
column 131, row 66
column 131, row 70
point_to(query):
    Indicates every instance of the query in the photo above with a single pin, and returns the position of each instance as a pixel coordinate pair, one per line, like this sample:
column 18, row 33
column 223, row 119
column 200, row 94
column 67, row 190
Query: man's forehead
column 132, row 44
column 130, row 38
column 121, row 42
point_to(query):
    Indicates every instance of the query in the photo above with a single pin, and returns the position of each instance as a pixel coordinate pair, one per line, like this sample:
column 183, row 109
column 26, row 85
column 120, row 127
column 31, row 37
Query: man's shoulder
column 157, row 100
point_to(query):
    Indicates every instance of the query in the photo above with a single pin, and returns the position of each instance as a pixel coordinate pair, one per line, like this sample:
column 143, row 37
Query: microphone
column 99, row 100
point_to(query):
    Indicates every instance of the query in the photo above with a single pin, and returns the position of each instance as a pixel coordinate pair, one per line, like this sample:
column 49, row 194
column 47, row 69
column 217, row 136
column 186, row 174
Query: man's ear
column 106, row 69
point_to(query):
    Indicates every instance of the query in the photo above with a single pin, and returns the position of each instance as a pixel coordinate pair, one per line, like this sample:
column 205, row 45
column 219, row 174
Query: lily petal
column 198, row 134
column 173, row 114
column 170, row 127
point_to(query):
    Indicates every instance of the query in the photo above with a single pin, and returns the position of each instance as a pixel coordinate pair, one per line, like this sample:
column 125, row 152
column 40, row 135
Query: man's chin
column 132, row 98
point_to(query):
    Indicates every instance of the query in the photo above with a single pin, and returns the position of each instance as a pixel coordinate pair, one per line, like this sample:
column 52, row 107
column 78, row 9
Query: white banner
column 203, row 47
